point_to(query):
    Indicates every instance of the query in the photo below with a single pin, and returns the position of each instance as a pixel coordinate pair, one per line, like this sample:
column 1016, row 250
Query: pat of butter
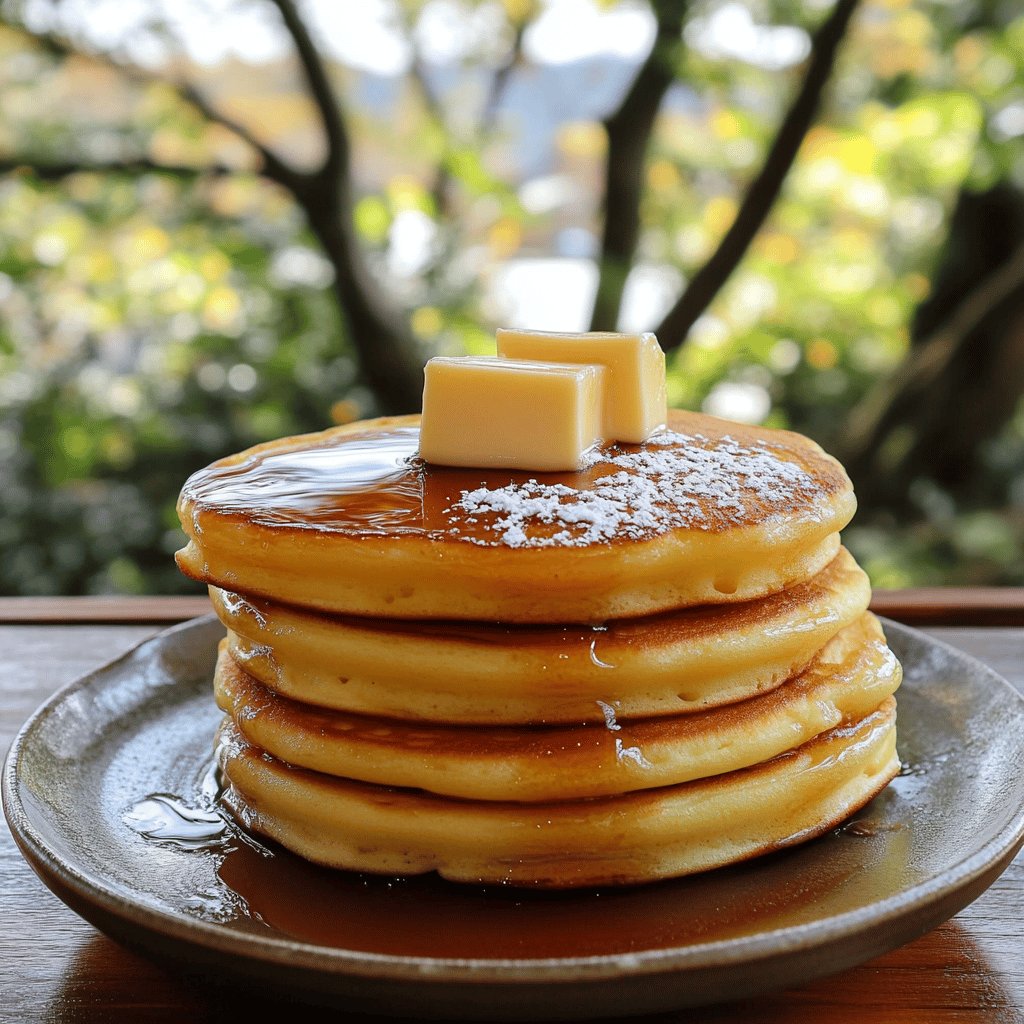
column 509, row 414
column 634, row 396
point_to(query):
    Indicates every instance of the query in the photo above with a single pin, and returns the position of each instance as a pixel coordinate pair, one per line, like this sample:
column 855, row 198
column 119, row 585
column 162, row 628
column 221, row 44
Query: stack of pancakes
column 659, row 664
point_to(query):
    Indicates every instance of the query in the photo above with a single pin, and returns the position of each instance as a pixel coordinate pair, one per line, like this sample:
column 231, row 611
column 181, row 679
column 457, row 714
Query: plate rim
column 254, row 948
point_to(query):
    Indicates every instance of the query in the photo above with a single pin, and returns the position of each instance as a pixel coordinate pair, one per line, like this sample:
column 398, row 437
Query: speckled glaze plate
column 126, row 751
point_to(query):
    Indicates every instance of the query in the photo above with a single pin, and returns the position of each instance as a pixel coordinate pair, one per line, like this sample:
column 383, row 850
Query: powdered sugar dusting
column 673, row 481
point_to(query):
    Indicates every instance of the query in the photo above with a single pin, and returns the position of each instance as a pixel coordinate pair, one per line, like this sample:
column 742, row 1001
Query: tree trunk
column 964, row 376
column 390, row 357
column 629, row 131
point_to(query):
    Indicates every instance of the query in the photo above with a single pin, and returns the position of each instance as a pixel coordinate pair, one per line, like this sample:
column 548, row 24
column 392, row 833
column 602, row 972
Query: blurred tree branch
column 388, row 352
column 931, row 356
column 629, row 130
column 764, row 189
column 432, row 102
column 500, row 79
column 332, row 119
column 272, row 166
column 960, row 382
column 46, row 170
column 439, row 189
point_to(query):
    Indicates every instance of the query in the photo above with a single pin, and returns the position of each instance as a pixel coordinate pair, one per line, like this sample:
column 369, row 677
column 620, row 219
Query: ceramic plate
column 110, row 795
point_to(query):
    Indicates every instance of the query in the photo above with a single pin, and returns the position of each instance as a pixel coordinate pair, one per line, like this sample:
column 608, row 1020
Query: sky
column 369, row 34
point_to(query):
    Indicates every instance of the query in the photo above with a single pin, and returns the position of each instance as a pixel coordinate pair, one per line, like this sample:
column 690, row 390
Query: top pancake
column 351, row 520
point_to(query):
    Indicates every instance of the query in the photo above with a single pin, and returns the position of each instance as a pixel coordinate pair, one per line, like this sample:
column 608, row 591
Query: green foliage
column 152, row 323
column 145, row 338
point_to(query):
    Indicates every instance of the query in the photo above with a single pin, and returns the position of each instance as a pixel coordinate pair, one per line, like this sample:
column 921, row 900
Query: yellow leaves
column 828, row 155
column 100, row 267
column 222, row 309
column 854, row 243
column 243, row 196
column 519, row 12
column 505, row 236
column 882, row 126
column 149, row 242
column 821, row 354
column 372, row 219
column 819, row 143
column 582, row 140
column 857, row 155
column 968, row 54
column 726, row 125
column 917, row 285
column 719, row 214
column 884, row 310
column 918, row 120
column 898, row 41
column 864, row 170
column 345, row 411
column 214, row 265
column 427, row 321
column 777, row 247
column 168, row 146
column 406, row 193
column 140, row 243
column 662, row 175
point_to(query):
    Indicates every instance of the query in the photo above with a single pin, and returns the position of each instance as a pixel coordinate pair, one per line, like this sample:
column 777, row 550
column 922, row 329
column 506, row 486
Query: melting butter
column 510, row 414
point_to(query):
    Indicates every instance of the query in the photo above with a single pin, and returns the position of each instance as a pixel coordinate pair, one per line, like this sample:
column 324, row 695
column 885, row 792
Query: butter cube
column 634, row 395
column 509, row 413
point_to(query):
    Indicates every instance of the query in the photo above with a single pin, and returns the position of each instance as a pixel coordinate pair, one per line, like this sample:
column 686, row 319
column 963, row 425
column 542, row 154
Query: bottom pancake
column 636, row 837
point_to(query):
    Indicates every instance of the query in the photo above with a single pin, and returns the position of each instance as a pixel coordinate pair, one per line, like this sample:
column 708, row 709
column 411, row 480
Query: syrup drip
column 275, row 891
column 168, row 819
column 367, row 481
column 427, row 916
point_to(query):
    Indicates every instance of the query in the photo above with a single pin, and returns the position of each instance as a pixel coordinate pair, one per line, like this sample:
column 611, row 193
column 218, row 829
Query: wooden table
column 55, row 968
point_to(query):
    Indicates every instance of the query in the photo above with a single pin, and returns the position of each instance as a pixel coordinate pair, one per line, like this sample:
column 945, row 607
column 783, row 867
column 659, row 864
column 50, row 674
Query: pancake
column 351, row 521
column 636, row 837
column 482, row 673
column 658, row 664
column 852, row 675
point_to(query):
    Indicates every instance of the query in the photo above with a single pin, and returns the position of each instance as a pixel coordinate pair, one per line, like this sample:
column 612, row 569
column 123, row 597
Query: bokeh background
column 223, row 221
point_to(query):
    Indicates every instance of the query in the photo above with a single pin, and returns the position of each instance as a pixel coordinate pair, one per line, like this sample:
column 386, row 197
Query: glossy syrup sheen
column 265, row 888
column 373, row 482
column 346, row 910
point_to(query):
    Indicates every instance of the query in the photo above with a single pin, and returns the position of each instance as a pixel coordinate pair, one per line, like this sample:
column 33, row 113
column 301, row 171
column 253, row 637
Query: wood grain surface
column 57, row 969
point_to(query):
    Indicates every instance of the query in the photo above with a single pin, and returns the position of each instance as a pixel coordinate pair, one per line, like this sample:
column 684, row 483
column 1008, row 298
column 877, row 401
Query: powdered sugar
column 673, row 481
